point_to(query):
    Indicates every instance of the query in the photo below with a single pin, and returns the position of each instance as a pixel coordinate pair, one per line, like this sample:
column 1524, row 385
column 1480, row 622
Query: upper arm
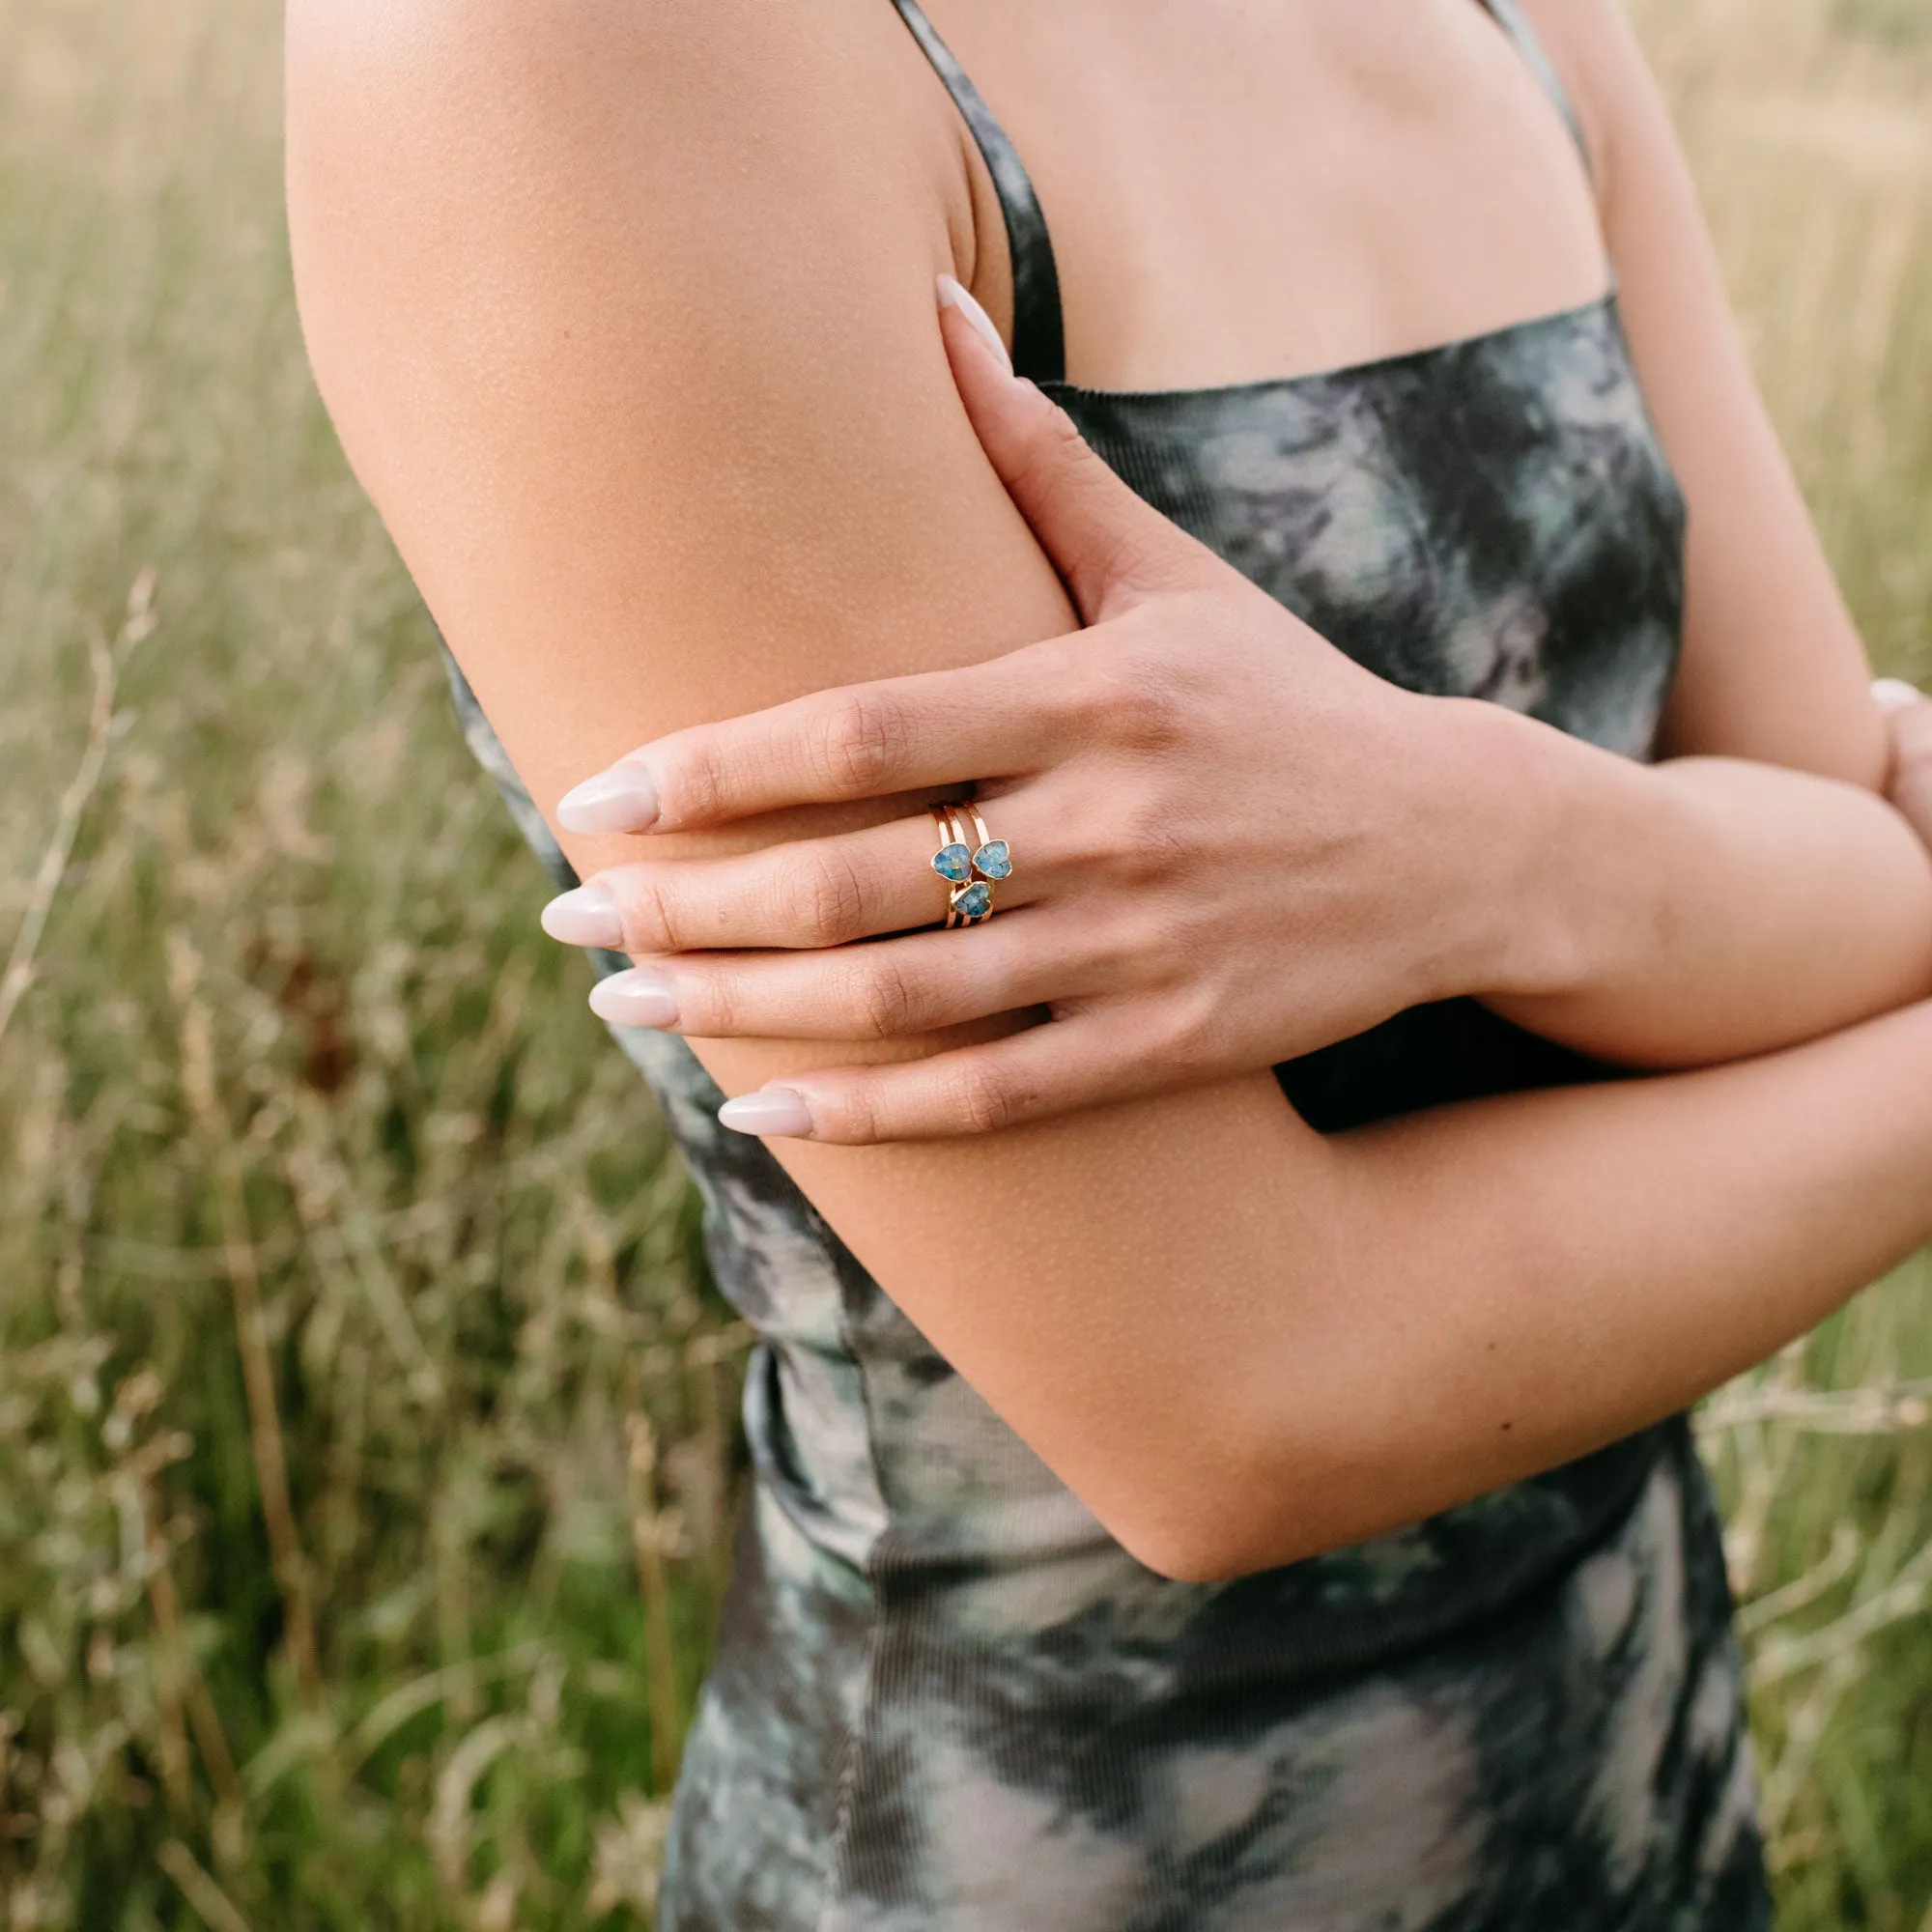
column 625, row 318
column 627, row 324
column 1772, row 667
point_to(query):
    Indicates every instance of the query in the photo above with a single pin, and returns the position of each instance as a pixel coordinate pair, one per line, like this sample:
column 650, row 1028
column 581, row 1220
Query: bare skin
column 1235, row 846
column 625, row 318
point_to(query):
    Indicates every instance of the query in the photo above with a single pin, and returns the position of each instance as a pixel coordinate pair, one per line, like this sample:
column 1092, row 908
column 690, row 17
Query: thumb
column 1112, row 549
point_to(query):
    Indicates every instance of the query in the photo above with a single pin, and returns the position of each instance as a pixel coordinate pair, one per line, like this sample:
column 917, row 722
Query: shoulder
column 731, row 204
column 733, row 118
column 685, row 63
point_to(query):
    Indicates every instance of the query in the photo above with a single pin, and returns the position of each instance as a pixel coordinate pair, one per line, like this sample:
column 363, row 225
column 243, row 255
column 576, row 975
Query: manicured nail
column 622, row 799
column 1893, row 694
column 585, row 917
column 777, row 1112
column 953, row 295
column 638, row 998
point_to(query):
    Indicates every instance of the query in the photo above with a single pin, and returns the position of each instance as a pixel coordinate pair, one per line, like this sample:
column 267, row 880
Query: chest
column 1241, row 191
column 1492, row 519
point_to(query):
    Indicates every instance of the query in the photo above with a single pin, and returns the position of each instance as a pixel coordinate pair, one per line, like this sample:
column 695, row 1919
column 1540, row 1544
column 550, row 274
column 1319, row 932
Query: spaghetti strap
column 1511, row 18
column 1039, row 343
column 1039, row 340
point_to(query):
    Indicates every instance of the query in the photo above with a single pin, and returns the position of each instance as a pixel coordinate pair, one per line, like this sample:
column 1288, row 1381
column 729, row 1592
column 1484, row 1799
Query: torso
column 945, row 1698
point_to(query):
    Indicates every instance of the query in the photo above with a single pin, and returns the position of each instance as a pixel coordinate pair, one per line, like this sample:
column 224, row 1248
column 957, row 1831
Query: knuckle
column 1055, row 448
column 858, row 740
column 882, row 999
column 651, row 919
column 709, row 1005
column 983, row 1100
column 1150, row 839
column 1191, row 1033
column 853, row 1115
column 696, row 790
column 830, row 899
column 1142, row 703
column 1063, row 687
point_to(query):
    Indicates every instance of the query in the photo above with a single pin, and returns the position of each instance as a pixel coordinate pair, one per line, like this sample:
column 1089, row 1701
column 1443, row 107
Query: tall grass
column 365, row 1442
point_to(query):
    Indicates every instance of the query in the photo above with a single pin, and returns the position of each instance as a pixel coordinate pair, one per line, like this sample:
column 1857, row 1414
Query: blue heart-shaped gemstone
column 955, row 862
column 993, row 860
column 974, row 902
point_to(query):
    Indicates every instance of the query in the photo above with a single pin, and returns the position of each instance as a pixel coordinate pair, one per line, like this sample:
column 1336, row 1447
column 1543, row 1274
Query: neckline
column 1606, row 304
column 1039, row 345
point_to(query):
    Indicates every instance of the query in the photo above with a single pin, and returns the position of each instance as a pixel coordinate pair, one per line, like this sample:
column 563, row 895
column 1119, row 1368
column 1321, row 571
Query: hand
column 1909, row 783
column 1230, row 844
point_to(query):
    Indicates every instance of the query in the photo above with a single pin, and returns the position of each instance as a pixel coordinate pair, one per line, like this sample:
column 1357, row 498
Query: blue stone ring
column 971, row 870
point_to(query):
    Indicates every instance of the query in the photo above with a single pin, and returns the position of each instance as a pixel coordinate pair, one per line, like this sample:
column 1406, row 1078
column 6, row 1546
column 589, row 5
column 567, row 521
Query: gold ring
column 971, row 871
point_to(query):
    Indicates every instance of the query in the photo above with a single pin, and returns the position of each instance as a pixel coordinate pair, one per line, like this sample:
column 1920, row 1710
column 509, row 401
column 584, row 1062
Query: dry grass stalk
column 214, row 1906
column 197, row 1061
column 654, row 1535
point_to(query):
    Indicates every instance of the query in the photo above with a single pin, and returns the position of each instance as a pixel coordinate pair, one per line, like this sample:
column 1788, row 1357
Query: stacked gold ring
column 970, row 870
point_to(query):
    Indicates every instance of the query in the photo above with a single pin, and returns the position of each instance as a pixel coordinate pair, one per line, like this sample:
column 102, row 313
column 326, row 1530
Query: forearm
column 1240, row 1343
column 1536, row 1276
column 1702, row 909
column 1163, row 1297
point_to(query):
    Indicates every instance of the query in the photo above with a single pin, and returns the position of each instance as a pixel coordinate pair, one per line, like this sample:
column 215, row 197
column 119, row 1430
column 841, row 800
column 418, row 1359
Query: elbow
column 1182, row 1554
column 1252, row 1462
column 1213, row 1512
column 1222, row 1544
column 1191, row 1560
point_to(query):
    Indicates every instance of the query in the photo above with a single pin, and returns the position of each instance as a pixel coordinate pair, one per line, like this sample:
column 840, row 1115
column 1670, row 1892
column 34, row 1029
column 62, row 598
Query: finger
column 1026, row 1076
column 897, row 988
column 1909, row 726
column 1112, row 549
column 934, row 729
column 813, row 892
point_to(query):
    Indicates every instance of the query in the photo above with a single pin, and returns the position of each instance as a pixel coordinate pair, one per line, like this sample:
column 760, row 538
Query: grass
column 365, row 1443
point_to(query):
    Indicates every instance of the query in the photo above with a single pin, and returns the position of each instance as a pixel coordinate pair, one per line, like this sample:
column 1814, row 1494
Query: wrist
column 1519, row 917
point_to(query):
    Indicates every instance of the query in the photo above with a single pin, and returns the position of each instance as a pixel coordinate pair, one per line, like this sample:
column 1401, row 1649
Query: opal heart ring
column 970, row 870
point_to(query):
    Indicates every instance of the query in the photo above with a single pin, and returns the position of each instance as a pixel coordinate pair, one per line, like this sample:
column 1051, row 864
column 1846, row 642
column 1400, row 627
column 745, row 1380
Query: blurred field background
column 366, row 1441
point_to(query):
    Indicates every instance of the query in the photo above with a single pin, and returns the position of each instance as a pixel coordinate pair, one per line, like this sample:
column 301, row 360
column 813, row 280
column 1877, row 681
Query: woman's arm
column 1318, row 864
column 1233, row 848
column 624, row 317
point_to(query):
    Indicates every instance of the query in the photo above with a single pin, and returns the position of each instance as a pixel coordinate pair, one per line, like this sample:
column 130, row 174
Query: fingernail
column 585, row 917
column 638, row 998
column 1893, row 694
column 953, row 295
column 622, row 799
column 777, row 1112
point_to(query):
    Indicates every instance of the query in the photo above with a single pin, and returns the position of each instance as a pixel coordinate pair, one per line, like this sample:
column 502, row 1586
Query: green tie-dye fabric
column 945, row 1699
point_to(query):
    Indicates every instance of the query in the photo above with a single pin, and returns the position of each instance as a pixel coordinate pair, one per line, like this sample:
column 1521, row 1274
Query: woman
column 1221, row 1327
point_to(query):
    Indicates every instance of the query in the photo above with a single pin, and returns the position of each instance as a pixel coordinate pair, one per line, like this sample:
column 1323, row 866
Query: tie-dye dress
column 945, row 1699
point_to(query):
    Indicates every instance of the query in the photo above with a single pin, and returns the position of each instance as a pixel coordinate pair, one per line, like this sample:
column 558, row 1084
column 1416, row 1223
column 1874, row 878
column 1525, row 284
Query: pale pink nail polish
column 585, row 917
column 638, row 998
column 622, row 799
column 776, row 1111
column 953, row 295
column 1893, row 694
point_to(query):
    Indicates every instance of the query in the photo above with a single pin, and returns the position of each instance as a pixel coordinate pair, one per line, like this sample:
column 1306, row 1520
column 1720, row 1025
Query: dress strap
column 1511, row 18
column 1039, row 343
